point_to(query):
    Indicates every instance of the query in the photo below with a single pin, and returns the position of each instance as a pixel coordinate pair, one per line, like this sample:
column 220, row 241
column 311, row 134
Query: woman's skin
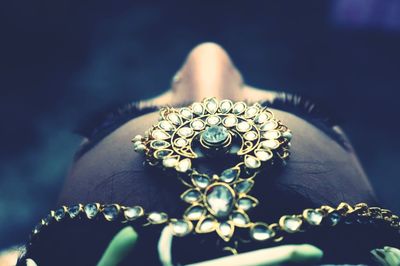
column 320, row 170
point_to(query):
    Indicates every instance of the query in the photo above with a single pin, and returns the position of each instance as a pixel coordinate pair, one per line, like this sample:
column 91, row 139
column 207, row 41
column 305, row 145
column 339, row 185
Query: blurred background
column 61, row 61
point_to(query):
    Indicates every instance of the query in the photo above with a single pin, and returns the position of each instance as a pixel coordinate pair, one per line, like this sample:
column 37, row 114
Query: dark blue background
column 62, row 60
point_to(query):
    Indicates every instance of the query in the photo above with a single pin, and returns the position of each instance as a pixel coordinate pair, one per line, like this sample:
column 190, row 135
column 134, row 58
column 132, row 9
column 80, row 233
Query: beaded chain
column 325, row 215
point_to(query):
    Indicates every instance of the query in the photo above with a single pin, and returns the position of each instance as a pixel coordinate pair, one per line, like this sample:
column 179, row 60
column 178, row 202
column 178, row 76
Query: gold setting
column 250, row 134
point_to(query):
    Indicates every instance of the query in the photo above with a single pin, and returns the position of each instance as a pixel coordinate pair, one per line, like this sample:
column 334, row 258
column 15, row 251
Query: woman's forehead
column 112, row 172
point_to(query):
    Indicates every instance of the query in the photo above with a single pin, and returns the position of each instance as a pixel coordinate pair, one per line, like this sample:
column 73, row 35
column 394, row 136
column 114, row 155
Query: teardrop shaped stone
column 261, row 232
column 198, row 108
column 229, row 175
column 174, row 118
column 251, row 111
column 263, row 155
column 111, row 212
column 207, row 225
column 251, row 162
column 186, row 113
column 211, row 105
column 239, row 219
column 157, row 217
column 314, row 217
column 200, row 181
column 291, row 224
column 219, row 200
column 159, row 144
column 194, row 212
column 239, row 108
column 270, row 125
column 184, row 165
column 166, row 125
column 225, row 229
column 74, row 211
column 91, row 210
column 226, row 106
column 132, row 213
column 246, row 203
column 244, row 186
column 160, row 134
column 191, row 195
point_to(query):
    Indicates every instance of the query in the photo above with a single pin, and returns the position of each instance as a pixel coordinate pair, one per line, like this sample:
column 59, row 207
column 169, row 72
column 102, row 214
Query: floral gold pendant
column 235, row 140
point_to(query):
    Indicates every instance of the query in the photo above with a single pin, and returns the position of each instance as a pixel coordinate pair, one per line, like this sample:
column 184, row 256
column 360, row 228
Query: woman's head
column 323, row 168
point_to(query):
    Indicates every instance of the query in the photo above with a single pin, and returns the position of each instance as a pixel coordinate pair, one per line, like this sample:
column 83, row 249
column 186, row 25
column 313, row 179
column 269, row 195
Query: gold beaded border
column 258, row 231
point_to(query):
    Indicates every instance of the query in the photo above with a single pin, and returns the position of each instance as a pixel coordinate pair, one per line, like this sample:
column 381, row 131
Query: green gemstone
column 215, row 135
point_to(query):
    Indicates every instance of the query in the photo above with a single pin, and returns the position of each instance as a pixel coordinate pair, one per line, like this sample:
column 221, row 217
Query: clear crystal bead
column 261, row 232
column 180, row 142
column 239, row 219
column 239, row 108
column 185, row 132
column 207, row 225
column 160, row 154
column 198, row 108
column 170, row 162
column 270, row 144
column 91, row 210
column 244, row 186
column 74, row 211
column 251, row 111
column 198, row 124
column 314, row 217
column 219, row 199
column 270, row 125
column 226, row 106
column 246, row 203
column 200, row 181
column 215, row 135
column 243, row 126
column 191, row 195
column 184, row 165
column 111, row 212
column 252, row 162
column 261, row 118
column 230, row 121
column 186, row 113
column 132, row 213
column 291, row 224
column 166, row 125
column 251, row 135
column 263, row 155
column 157, row 217
column 159, row 144
column 195, row 212
column 213, row 120
column 174, row 118
column 160, row 134
column 225, row 229
column 272, row 134
column 211, row 105
column 229, row 175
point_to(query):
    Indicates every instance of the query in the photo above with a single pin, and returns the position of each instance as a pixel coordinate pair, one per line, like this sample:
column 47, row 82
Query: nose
column 208, row 71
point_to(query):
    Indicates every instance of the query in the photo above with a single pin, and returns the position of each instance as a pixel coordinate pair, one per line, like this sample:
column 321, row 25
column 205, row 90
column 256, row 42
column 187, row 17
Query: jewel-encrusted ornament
column 243, row 139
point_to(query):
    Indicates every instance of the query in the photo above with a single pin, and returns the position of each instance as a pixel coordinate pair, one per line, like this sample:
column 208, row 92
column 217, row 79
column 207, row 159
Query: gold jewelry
column 324, row 216
column 244, row 139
